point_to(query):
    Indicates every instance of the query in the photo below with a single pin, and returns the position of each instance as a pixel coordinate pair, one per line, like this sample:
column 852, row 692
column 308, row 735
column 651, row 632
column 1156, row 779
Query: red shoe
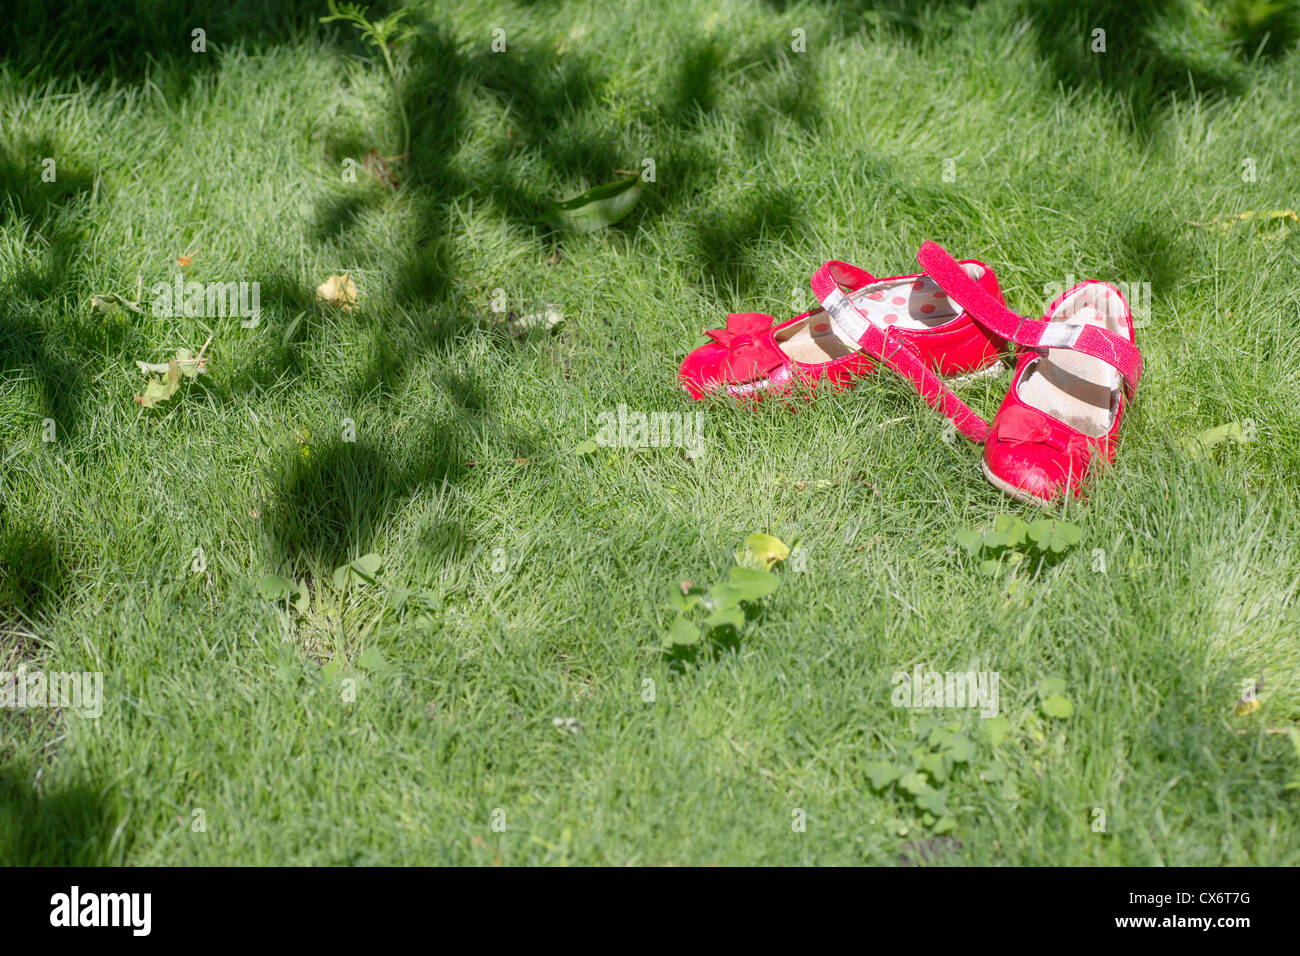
column 750, row 358
column 1078, row 368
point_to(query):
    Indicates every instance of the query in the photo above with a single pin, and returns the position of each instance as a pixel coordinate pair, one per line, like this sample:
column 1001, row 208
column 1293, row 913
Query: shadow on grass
column 25, row 343
column 33, row 575
column 1143, row 52
column 552, row 105
column 64, row 827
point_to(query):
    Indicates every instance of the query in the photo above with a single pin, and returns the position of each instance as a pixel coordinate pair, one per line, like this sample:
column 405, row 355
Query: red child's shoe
column 1077, row 369
column 751, row 358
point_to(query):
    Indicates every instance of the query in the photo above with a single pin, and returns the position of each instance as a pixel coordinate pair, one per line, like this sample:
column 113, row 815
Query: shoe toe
column 1033, row 471
column 701, row 371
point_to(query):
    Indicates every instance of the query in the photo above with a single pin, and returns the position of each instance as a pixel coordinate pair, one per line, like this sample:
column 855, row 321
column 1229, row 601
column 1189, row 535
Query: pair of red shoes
column 1076, row 368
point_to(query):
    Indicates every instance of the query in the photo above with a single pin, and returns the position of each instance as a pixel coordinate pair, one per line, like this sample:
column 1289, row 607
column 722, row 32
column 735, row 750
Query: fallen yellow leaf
column 338, row 291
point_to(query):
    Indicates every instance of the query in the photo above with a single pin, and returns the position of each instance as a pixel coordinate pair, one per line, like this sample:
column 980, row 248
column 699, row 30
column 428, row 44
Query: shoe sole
column 1020, row 494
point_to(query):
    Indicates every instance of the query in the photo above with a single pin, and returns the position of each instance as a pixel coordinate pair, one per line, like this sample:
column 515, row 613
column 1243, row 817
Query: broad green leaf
column 933, row 801
column 371, row 660
column 684, row 598
column 996, row 729
column 1054, row 705
column 368, row 563
column 960, row 749
column 970, row 541
column 753, row 584
column 1010, row 529
column 586, row 447
column 301, row 598
column 989, row 567
column 598, row 207
column 682, row 632
column 1041, row 533
column 341, row 577
column 723, row 596
column 1051, row 685
column 994, row 773
column 882, row 774
column 275, row 587
column 935, row 765
column 1072, row 533
column 944, row 825
column 733, row 616
column 914, row 783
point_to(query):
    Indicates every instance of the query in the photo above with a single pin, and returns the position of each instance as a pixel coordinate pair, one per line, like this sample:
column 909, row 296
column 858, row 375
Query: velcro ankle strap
column 1115, row 350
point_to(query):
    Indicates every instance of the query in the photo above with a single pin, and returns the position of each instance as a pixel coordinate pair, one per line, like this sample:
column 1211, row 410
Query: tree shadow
column 33, row 570
column 68, row 826
column 1146, row 52
column 76, row 39
column 35, row 204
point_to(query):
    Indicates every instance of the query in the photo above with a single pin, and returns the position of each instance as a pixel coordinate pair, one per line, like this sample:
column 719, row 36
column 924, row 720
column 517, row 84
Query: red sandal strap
column 829, row 285
column 1115, row 350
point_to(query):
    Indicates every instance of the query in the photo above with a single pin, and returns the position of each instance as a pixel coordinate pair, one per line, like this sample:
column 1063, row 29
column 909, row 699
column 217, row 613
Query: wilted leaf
column 187, row 363
column 110, row 301
column 161, row 389
column 1203, row 441
column 549, row 318
column 762, row 551
column 1273, row 223
column 598, row 207
column 338, row 291
column 379, row 167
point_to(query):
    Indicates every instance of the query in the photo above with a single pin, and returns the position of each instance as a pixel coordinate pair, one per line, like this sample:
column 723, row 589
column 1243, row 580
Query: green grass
column 768, row 163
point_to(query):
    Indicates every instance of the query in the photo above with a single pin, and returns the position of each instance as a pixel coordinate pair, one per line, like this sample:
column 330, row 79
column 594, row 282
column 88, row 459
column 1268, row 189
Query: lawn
column 407, row 712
